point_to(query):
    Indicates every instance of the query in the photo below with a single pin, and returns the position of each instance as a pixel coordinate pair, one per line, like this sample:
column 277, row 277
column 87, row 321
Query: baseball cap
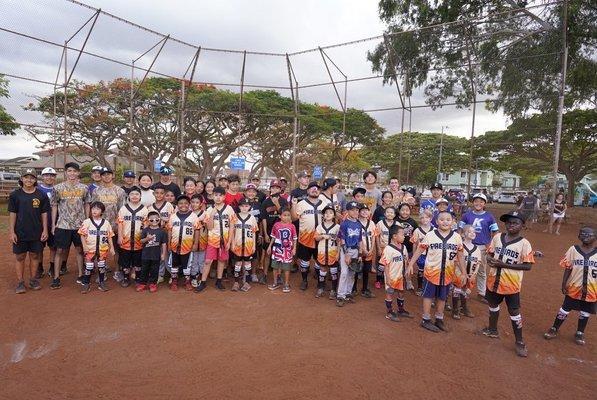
column 283, row 179
column 303, row 174
column 250, row 186
column 244, row 202
column 128, row 174
column 48, row 171
column 351, row 205
column 106, row 170
column 73, row 165
column 512, row 214
column 135, row 189
column 220, row 190
column 441, row 200
column 165, row 170
column 222, row 176
column 480, row 196
column 328, row 207
column 363, row 206
column 361, row 190
column 96, row 168
column 411, row 190
column 275, row 183
column 28, row 171
column 436, row 185
column 328, row 183
column 313, row 184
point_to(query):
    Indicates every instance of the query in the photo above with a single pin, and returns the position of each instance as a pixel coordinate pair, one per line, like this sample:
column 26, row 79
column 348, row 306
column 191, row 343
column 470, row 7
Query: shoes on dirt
column 286, row 289
column 235, row 287
column 456, row 314
column 319, row 292
column 427, row 324
column 153, row 288
column 125, row 282
column 552, row 333
column 63, row 270
column 521, row 349
column 273, row 286
column 39, row 273
column 201, row 287
column 80, row 280
column 20, row 289
column 332, row 295
column 55, row 284
column 140, row 287
column 441, row 325
column 245, row 287
column 85, row 288
column 220, row 286
column 492, row 333
column 404, row 314
column 340, row 302
column 103, row 287
column 34, row 284
column 579, row 338
column 304, row 285
column 367, row 294
column 392, row 316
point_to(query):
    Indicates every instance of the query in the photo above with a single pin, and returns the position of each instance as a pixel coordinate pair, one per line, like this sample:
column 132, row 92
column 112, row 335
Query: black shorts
column 494, row 299
column 129, row 258
column 63, row 238
column 579, row 305
column 306, row 253
column 243, row 258
column 51, row 242
column 27, row 246
column 180, row 260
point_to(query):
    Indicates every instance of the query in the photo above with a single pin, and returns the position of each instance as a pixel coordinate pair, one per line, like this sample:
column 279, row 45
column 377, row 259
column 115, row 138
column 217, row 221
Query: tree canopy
column 8, row 124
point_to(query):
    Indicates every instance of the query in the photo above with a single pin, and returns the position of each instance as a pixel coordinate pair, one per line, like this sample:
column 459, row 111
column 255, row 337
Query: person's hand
column 53, row 230
column 347, row 259
column 269, row 251
column 266, row 238
column 227, row 247
column 13, row 237
column 44, row 236
column 294, row 201
column 409, row 270
column 119, row 241
column 464, row 279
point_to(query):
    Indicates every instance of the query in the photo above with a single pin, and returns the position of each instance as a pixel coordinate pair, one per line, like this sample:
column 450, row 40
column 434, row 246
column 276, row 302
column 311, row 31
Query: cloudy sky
column 259, row 25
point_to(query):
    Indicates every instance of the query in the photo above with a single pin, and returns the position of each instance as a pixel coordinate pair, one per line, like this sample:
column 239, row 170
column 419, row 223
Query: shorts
column 392, row 290
column 129, row 258
column 196, row 262
column 115, row 243
column 63, row 238
column 557, row 216
column 306, row 253
column 179, row 260
column 214, row 253
column 243, row 258
column 284, row 266
column 51, row 243
column 93, row 256
column 512, row 300
column 579, row 305
column 431, row 291
column 27, row 246
column 527, row 214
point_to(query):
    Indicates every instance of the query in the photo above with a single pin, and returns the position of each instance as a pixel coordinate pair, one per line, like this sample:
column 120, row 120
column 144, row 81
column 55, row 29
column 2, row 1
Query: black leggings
column 149, row 271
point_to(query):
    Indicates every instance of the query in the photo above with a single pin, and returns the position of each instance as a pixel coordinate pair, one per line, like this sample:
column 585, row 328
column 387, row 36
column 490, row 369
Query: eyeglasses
column 154, row 220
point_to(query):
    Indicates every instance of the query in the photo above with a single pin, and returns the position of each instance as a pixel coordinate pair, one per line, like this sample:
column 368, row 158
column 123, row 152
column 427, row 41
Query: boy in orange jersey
column 131, row 221
column 508, row 256
column 369, row 256
column 395, row 259
column 183, row 237
column 197, row 259
column 244, row 245
column 326, row 234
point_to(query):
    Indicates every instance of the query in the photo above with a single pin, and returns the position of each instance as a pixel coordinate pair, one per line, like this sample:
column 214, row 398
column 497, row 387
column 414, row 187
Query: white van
column 507, row 197
column 9, row 176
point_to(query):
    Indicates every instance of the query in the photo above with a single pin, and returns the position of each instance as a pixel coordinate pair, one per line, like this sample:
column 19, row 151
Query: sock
column 560, row 318
column 400, row 303
column 218, row 281
column 334, row 273
column 455, row 302
column 321, row 279
column 583, row 320
column 365, row 281
column 463, row 301
column 102, row 276
column 494, row 314
column 439, row 316
column 305, row 275
column 517, row 326
column 389, row 305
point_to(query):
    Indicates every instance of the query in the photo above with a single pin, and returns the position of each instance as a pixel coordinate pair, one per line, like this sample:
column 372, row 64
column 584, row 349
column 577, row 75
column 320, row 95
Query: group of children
column 450, row 258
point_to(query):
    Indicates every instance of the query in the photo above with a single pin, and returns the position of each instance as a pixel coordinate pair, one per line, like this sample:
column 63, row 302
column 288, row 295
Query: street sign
column 157, row 164
column 317, row 172
column 237, row 163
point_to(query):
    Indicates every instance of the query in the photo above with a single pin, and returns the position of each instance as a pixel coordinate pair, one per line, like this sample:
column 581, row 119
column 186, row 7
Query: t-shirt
column 245, row 232
column 255, row 208
column 383, row 232
column 233, row 199
column 472, row 258
column 96, row 236
column 170, row 187
column 48, row 191
column 409, row 225
column 351, row 232
column 182, row 229
column 333, row 201
column 270, row 213
column 147, row 197
column 484, row 224
column 152, row 250
column 369, row 235
column 28, row 208
column 378, row 214
column 440, row 261
column 517, row 251
column 372, row 198
column 223, row 219
column 309, row 217
column 559, row 207
column 327, row 249
column 70, row 200
column 582, row 282
column 395, row 260
column 298, row 193
column 113, row 198
column 132, row 221
column 165, row 211
column 284, row 236
column 529, row 203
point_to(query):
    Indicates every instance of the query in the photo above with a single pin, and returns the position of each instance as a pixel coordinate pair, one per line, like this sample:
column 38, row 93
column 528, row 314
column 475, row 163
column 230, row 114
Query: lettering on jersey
column 477, row 225
column 353, row 232
column 397, row 258
column 581, row 263
column 510, row 256
column 443, row 246
column 130, row 218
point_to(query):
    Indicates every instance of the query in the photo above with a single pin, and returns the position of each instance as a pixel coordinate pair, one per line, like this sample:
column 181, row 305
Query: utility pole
column 441, row 152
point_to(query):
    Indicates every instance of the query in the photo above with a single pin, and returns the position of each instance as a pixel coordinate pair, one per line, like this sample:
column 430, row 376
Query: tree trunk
column 571, row 189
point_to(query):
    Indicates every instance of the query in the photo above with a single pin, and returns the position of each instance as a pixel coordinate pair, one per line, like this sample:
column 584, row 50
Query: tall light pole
column 441, row 152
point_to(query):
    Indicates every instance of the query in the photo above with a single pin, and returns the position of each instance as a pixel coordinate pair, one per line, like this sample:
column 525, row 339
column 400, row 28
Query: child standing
column 417, row 237
column 183, row 238
column 165, row 209
column 131, row 220
column 96, row 237
column 559, row 212
column 282, row 248
column 444, row 255
column 243, row 245
column 327, row 250
column 409, row 224
column 395, row 260
column 350, row 238
column 579, row 284
column 197, row 259
column 509, row 255
column 368, row 256
column 472, row 258
column 383, row 238
column 155, row 251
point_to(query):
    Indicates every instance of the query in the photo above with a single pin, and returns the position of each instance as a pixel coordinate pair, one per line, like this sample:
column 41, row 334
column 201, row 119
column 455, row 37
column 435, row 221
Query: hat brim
column 506, row 217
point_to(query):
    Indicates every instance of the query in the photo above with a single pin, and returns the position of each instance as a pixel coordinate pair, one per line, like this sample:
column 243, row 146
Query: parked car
column 507, row 197
column 9, row 176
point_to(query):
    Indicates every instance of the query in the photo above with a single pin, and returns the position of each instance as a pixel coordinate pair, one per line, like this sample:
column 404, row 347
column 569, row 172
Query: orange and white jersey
column 223, row 219
column 471, row 258
column 309, row 217
column 96, row 237
column 327, row 249
column 369, row 236
column 245, row 233
column 330, row 201
column 582, row 283
column 395, row 260
column 518, row 251
column 383, row 232
column 440, row 262
column 201, row 215
column 182, row 229
column 132, row 220
column 165, row 210
column 418, row 235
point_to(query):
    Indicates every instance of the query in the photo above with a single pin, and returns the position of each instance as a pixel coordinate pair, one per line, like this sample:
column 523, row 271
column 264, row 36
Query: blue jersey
column 484, row 225
column 351, row 232
column 429, row 204
column 91, row 188
column 48, row 192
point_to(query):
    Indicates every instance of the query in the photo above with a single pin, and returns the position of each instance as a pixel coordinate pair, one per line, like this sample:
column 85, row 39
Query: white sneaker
column 160, row 279
column 118, row 276
column 194, row 282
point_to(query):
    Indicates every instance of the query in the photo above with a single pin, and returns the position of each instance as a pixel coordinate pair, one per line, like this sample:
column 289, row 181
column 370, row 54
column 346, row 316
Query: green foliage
column 7, row 121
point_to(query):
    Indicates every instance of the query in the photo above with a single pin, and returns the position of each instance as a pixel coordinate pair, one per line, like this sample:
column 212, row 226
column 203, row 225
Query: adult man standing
column 528, row 208
column 437, row 190
column 129, row 181
column 397, row 193
column 166, row 182
column 300, row 192
column 373, row 194
column 48, row 176
column 256, row 181
column 95, row 177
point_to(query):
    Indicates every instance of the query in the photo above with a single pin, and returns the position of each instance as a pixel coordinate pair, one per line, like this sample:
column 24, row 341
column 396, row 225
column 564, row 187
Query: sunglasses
column 154, row 220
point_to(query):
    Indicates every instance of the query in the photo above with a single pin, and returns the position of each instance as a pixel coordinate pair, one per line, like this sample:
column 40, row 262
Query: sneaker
column 201, row 287
column 55, row 284
column 427, row 324
column 521, row 349
column 552, row 333
column 409, row 286
column 273, row 286
column 286, row 289
column 367, row 294
column 245, row 287
column 377, row 285
column 188, row 285
column 153, row 288
column 85, row 288
column 139, row 287
column 354, row 293
column 34, row 284
column 419, row 292
column 404, row 314
column 235, row 287
column 482, row 299
column 440, row 324
column 80, row 280
column 254, row 278
column 20, row 289
column 125, row 282
column 304, row 285
column 467, row 313
column 340, row 302
column 319, row 292
column 332, row 295
column 350, row 299
column 103, row 287
column 194, row 283
column 160, row 279
column 579, row 338
column 118, row 276
column 63, row 270
column 448, row 307
column 492, row 333
column 39, row 273
column 392, row 316
column 263, row 280
column 456, row 314
column 174, row 286
column 220, row 286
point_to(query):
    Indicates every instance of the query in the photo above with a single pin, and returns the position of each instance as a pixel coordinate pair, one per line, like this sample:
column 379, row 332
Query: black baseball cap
column 134, row 189
column 128, row 174
column 363, row 206
column 361, row 190
column 351, row 205
column 220, row 190
column 106, row 170
column 165, row 170
column 328, row 207
column 437, row 185
column 512, row 214
column 313, row 184
column 303, row 174
column 328, row 183
column 244, row 202
column 73, row 165
column 184, row 197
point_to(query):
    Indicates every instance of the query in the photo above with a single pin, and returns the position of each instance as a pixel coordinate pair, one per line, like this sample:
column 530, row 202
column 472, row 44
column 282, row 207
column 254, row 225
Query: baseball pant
column 166, row 264
column 481, row 272
column 346, row 274
column 196, row 262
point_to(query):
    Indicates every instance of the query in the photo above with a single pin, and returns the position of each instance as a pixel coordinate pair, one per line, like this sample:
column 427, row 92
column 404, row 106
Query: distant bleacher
column 6, row 187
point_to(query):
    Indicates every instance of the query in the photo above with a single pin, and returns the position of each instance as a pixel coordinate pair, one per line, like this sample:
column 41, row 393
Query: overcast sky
column 259, row 25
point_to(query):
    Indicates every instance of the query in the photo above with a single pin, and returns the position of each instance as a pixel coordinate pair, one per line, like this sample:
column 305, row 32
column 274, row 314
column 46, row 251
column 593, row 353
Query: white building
column 480, row 179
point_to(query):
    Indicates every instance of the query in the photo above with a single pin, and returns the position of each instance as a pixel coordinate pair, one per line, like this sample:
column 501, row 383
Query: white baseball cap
column 97, row 168
column 480, row 196
column 48, row 171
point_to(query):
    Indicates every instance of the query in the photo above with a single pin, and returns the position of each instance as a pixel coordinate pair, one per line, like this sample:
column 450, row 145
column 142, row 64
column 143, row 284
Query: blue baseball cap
column 128, row 174
column 164, row 170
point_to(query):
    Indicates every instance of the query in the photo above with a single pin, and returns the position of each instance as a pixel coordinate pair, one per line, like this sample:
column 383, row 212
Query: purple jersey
column 484, row 225
column 351, row 232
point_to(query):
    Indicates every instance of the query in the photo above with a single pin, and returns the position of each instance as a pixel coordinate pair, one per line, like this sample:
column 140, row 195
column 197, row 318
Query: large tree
column 8, row 124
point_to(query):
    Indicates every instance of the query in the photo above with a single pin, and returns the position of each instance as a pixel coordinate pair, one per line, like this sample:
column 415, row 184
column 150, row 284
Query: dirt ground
column 271, row 345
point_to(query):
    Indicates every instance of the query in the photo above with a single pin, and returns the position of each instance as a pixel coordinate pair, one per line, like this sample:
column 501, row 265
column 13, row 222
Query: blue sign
column 317, row 172
column 157, row 164
column 237, row 163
